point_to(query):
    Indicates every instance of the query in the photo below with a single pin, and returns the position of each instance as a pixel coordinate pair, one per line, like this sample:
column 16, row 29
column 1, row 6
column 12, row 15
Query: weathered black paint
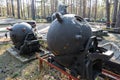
column 68, row 37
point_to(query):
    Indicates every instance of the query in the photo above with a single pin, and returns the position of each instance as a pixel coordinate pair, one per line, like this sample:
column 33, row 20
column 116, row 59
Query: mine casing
column 68, row 35
column 18, row 33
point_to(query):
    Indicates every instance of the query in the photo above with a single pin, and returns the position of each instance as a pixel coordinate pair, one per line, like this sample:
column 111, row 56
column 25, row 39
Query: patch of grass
column 4, row 47
column 15, row 74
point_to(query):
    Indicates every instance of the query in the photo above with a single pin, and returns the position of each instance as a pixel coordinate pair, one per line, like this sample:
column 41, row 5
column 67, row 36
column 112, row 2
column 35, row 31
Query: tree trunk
column 89, row 13
column 52, row 7
column 44, row 10
column 84, row 8
column 33, row 9
column 118, row 18
column 95, row 10
column 24, row 17
column 7, row 8
column 56, row 4
column 71, row 6
column 36, row 11
column 80, row 8
column 0, row 11
column 10, row 10
column 108, row 13
column 18, row 8
column 41, row 9
column 76, row 7
column 114, row 13
column 21, row 8
column 13, row 13
column 28, row 9
column 3, row 11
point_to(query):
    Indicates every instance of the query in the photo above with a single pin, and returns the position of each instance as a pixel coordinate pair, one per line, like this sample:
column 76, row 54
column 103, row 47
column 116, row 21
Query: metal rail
column 110, row 74
column 70, row 77
column 41, row 60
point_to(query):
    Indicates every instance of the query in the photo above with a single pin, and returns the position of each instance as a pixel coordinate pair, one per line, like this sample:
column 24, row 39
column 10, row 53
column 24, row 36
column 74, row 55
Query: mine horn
column 10, row 29
column 59, row 18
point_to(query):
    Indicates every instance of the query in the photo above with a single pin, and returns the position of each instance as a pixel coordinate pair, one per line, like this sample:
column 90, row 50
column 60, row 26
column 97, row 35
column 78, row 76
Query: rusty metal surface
column 105, row 72
column 43, row 60
column 110, row 74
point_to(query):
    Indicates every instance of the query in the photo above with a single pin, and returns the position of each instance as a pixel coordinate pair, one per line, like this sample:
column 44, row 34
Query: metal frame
column 110, row 74
column 42, row 59
column 70, row 77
